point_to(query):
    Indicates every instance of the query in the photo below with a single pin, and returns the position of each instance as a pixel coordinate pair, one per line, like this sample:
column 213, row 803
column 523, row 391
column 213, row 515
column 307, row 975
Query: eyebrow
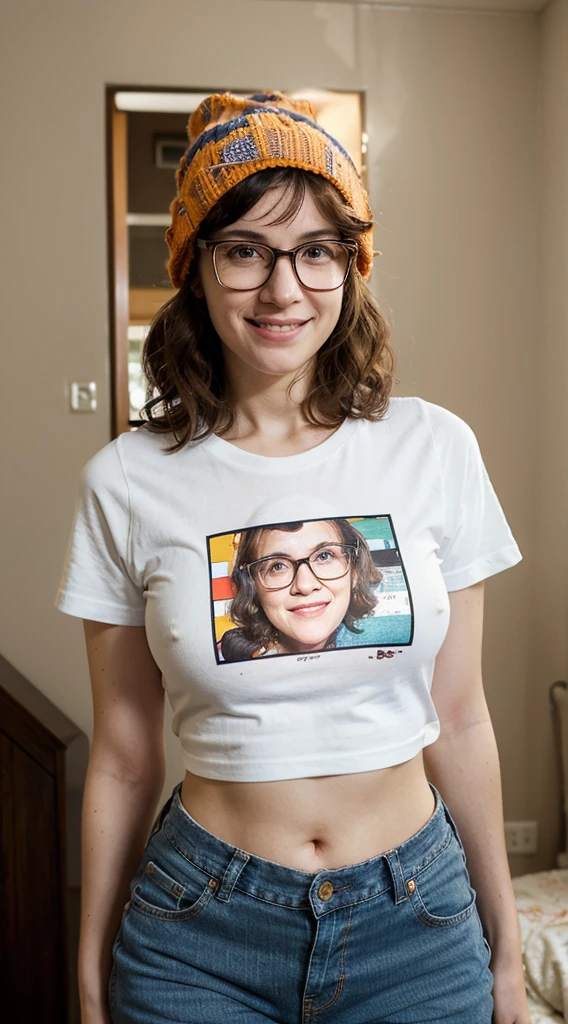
column 284, row 554
column 257, row 236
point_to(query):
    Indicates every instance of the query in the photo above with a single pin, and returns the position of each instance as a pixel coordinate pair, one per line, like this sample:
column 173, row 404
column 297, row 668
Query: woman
column 308, row 865
column 286, row 606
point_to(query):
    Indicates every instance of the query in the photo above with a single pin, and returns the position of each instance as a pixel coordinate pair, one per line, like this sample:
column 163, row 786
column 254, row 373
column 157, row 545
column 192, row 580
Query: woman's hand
column 509, row 994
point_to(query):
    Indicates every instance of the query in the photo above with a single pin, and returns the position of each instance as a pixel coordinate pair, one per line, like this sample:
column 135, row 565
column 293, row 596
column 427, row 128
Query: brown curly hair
column 255, row 629
column 353, row 371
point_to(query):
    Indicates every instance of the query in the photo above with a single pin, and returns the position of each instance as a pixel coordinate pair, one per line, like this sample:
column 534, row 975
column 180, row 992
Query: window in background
column 136, row 379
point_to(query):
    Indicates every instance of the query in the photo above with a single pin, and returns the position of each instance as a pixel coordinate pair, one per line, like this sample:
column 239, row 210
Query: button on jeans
column 213, row 934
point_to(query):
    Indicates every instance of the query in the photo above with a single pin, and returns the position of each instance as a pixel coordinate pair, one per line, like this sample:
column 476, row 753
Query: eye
column 276, row 567
column 322, row 253
column 317, row 252
column 325, row 556
column 240, row 252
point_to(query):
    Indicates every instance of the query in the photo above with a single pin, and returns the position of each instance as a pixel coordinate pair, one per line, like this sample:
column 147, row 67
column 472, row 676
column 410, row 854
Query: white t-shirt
column 272, row 675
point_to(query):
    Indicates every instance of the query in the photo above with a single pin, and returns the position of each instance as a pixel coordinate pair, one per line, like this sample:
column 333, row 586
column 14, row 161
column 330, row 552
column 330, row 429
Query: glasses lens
column 243, row 265
column 330, row 562
column 274, row 573
column 322, row 264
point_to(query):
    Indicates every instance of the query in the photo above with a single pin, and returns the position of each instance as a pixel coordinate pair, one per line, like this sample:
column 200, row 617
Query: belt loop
column 231, row 874
column 399, row 888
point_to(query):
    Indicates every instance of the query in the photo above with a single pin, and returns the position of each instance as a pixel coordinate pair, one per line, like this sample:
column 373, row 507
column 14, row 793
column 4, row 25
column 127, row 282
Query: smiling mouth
column 276, row 328
column 310, row 609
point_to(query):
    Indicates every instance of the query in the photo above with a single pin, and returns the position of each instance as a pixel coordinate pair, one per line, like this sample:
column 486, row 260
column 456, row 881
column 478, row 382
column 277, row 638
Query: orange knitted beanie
column 231, row 138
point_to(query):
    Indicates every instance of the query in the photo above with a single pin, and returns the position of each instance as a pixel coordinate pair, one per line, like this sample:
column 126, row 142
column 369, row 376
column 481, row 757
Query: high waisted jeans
column 213, row 934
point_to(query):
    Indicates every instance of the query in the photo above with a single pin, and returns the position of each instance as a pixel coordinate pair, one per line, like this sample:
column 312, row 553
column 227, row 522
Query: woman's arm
column 463, row 764
column 124, row 782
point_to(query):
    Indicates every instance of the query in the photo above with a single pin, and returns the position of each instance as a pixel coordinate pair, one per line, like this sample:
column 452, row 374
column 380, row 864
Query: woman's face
column 282, row 298
column 307, row 611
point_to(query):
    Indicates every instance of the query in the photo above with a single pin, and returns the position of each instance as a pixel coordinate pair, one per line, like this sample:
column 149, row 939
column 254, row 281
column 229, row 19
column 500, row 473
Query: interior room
column 456, row 114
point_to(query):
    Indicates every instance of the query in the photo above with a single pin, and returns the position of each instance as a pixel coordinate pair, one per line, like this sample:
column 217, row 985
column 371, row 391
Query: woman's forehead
column 270, row 206
column 299, row 543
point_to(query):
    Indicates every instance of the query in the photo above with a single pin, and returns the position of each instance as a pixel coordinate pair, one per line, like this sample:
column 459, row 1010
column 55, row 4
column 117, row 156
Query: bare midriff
column 324, row 822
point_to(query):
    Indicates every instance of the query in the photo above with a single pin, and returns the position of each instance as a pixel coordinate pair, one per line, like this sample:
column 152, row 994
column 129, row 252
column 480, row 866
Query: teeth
column 275, row 327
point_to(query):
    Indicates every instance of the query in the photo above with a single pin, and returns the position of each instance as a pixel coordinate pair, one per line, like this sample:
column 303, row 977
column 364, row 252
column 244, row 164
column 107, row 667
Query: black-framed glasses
column 320, row 266
column 328, row 562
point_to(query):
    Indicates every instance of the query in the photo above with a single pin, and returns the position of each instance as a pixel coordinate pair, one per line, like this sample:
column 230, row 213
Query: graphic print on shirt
column 308, row 586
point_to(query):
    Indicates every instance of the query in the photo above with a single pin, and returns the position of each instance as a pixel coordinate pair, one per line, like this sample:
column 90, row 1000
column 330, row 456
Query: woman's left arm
column 463, row 764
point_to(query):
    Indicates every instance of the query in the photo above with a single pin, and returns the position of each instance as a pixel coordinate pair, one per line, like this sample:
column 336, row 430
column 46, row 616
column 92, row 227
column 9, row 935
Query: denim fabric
column 213, row 934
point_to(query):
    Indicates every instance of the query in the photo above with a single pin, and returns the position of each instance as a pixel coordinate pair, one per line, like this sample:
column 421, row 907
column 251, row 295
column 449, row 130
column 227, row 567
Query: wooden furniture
column 144, row 303
column 37, row 977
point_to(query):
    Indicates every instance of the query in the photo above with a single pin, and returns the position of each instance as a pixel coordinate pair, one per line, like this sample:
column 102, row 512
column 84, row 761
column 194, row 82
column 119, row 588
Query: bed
column 542, row 903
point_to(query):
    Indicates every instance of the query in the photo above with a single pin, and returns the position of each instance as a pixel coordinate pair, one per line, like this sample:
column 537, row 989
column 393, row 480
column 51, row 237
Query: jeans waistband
column 292, row 887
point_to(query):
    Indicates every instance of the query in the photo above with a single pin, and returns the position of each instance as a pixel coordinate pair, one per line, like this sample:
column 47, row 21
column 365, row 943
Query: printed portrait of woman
column 298, row 586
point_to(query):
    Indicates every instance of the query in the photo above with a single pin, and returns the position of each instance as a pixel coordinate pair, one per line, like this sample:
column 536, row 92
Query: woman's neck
column 276, row 438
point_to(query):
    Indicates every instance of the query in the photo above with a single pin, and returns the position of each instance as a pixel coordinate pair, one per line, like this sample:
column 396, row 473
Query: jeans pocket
column 168, row 886
column 440, row 893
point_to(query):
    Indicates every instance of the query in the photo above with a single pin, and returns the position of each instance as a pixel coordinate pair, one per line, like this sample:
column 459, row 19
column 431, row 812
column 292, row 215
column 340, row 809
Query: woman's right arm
column 125, row 778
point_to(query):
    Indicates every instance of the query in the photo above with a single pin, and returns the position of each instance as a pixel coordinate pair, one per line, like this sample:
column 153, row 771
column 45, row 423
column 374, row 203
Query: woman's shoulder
column 102, row 468
column 415, row 413
column 141, row 441
column 111, row 468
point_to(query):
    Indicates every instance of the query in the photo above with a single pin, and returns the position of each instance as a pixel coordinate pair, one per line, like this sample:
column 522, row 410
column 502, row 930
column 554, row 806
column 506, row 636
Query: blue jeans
column 213, row 934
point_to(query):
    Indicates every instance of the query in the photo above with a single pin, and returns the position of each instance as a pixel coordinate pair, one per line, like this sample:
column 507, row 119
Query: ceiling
column 477, row 6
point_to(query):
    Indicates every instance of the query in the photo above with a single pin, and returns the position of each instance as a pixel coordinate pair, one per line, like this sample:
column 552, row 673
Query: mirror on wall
column 146, row 134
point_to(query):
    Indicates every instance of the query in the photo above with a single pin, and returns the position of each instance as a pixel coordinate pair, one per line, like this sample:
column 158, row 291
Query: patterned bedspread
column 542, row 903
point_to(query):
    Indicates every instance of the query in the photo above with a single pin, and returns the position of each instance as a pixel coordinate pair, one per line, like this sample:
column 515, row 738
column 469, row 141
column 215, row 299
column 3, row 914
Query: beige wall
column 452, row 103
column 454, row 182
column 548, row 586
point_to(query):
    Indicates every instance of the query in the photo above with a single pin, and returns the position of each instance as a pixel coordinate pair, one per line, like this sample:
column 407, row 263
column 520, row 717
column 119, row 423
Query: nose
column 305, row 581
column 282, row 287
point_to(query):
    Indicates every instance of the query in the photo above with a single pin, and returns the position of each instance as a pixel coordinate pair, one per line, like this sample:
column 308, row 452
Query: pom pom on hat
column 223, row 107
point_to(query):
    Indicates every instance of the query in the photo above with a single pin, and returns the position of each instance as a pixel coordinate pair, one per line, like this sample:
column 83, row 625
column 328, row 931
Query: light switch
column 83, row 396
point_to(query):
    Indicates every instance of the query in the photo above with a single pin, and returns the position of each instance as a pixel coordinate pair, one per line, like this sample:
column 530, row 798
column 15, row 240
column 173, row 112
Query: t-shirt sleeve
column 99, row 580
column 477, row 541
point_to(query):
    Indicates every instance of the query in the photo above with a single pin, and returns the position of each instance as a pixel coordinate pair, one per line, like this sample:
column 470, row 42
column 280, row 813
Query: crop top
column 294, row 605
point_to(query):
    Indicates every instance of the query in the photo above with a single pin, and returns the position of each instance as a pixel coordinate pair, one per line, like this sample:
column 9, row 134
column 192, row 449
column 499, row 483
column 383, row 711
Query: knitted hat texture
column 231, row 138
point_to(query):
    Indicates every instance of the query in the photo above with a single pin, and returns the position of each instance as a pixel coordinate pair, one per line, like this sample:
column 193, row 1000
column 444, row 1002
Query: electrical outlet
column 521, row 836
